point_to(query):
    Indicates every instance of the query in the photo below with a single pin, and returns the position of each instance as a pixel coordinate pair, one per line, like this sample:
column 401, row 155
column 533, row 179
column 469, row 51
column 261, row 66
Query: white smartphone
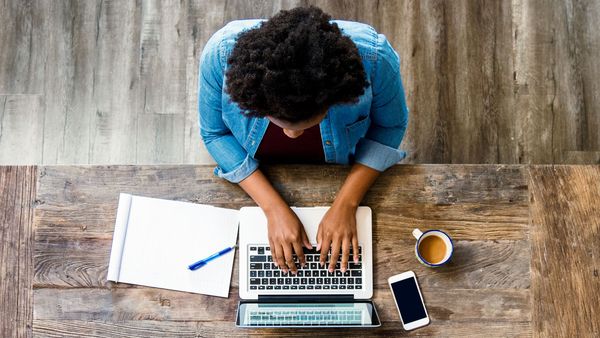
column 409, row 300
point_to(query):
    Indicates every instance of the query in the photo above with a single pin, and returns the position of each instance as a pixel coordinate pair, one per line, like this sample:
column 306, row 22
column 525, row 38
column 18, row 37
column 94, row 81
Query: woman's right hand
column 286, row 237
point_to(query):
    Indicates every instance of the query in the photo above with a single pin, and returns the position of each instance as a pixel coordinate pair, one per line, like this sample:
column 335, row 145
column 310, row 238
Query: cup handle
column 417, row 233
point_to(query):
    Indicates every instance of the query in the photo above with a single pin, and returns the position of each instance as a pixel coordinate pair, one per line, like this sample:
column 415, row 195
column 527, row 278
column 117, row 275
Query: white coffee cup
column 420, row 236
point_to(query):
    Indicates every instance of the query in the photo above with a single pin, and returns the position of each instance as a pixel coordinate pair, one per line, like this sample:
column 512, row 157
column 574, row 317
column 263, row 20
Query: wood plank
column 17, row 199
column 22, row 56
column 160, row 138
column 116, row 91
column 65, row 262
column 565, row 232
column 140, row 303
column 473, row 202
column 21, row 129
column 149, row 328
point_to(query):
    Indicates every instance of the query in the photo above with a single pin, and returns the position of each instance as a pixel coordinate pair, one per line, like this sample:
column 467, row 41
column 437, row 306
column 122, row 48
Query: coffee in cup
column 433, row 248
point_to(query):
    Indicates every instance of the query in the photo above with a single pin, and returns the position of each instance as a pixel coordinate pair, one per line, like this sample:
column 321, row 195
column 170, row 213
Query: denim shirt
column 367, row 132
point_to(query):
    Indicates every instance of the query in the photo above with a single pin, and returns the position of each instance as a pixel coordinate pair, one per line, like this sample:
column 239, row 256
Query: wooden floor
column 116, row 81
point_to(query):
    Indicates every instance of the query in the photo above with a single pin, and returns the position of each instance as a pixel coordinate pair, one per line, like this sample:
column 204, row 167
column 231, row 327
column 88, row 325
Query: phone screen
column 408, row 299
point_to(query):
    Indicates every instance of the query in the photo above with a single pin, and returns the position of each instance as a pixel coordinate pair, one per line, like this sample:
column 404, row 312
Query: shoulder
column 364, row 37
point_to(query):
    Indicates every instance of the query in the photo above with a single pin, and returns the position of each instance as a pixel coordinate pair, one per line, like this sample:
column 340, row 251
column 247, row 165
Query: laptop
column 314, row 297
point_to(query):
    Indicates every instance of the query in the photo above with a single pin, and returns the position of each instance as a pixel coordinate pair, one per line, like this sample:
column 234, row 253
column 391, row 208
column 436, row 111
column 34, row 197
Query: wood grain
column 17, row 198
column 21, row 112
column 565, row 248
column 149, row 328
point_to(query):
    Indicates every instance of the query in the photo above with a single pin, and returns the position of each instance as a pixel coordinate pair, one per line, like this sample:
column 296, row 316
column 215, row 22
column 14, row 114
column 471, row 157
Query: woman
column 302, row 88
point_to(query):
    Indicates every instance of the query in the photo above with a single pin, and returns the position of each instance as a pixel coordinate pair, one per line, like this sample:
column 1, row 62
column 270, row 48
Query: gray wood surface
column 17, row 198
column 486, row 82
column 21, row 112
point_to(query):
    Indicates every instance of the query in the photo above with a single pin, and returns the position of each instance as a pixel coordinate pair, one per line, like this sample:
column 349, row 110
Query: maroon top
column 276, row 147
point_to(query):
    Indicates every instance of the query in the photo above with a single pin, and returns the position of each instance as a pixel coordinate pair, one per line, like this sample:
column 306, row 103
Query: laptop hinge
column 305, row 298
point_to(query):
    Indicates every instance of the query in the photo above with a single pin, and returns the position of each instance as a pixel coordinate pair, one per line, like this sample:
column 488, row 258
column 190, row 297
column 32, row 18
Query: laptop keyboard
column 304, row 317
column 265, row 275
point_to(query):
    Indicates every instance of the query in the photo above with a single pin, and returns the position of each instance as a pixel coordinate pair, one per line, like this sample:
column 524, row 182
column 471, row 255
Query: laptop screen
column 307, row 314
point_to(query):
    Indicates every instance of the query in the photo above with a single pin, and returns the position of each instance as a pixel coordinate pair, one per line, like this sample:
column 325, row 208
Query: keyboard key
column 304, row 281
column 268, row 248
column 330, row 274
column 269, row 273
column 334, row 280
column 350, row 280
column 326, row 287
column 311, row 281
column 261, row 273
column 256, row 266
column 323, row 273
column 342, row 280
column 358, row 280
column 310, row 287
column 358, row 287
column 254, row 281
column 272, row 280
column 286, row 287
column 252, row 248
column 314, row 266
column 296, row 280
column 273, row 266
column 294, row 287
column 264, row 281
column 253, row 273
column 258, row 259
column 302, row 287
column 261, row 251
column 279, row 280
column 342, row 287
column 350, row 287
column 355, row 266
column 288, row 281
column 309, row 258
column 300, row 273
column 269, row 287
column 327, row 280
column 356, row 273
column 347, row 273
column 277, row 287
column 334, row 287
column 276, row 273
column 318, row 287
column 261, row 287
column 338, row 273
column 253, row 287
column 319, row 280
column 269, row 258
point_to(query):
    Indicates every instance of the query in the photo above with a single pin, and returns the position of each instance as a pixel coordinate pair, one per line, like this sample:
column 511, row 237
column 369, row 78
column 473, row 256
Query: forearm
column 262, row 192
column 356, row 185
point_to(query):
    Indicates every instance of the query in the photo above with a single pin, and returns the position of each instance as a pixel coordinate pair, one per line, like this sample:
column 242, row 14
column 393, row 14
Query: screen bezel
column 419, row 322
column 375, row 321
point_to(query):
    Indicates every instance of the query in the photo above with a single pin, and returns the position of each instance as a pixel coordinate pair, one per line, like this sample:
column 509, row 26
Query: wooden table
column 526, row 261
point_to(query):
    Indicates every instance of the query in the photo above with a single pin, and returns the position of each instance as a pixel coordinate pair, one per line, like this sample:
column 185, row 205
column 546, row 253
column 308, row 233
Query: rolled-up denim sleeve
column 389, row 113
column 233, row 162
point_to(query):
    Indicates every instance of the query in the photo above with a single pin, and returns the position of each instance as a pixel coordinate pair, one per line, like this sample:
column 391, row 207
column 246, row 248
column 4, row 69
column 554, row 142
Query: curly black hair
column 294, row 66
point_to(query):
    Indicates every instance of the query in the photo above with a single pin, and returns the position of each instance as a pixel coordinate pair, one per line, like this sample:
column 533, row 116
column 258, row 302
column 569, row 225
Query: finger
column 289, row 257
column 273, row 252
column 280, row 258
column 355, row 248
column 324, row 251
column 319, row 239
column 305, row 241
column 345, row 254
column 299, row 253
column 335, row 254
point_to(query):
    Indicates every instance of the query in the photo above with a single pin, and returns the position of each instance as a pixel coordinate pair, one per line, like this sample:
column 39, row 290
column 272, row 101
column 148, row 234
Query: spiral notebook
column 155, row 240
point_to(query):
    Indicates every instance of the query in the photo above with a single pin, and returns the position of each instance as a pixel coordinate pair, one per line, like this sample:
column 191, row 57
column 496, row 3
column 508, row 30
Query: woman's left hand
column 337, row 231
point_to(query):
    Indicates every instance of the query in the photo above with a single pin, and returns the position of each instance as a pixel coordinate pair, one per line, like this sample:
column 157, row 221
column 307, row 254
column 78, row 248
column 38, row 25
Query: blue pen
column 203, row 262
